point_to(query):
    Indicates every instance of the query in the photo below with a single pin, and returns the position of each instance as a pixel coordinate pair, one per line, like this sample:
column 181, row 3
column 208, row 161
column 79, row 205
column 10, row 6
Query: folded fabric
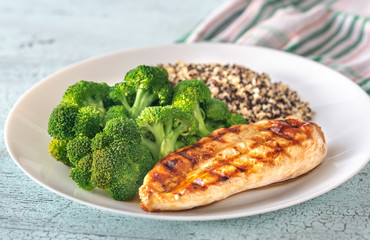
column 333, row 32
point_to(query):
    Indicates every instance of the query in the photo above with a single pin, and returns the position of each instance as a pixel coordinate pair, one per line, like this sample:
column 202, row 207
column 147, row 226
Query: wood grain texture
column 40, row 37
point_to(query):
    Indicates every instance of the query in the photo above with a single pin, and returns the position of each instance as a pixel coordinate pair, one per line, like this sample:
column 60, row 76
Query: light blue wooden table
column 39, row 37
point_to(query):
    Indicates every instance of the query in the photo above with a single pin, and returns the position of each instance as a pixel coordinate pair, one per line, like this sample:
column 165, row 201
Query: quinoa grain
column 248, row 93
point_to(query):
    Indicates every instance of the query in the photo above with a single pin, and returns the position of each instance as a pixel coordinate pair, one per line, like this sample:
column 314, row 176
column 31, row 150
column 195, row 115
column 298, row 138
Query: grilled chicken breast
column 232, row 160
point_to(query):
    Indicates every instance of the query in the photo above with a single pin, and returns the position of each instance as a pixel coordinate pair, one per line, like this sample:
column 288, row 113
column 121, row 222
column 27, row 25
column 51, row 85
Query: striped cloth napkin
column 333, row 32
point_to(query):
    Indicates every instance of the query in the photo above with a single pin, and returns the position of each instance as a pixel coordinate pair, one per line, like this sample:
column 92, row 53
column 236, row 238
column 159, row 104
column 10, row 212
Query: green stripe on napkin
column 333, row 32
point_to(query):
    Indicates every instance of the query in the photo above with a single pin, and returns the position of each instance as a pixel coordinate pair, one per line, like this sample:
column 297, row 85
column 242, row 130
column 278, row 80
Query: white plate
column 342, row 109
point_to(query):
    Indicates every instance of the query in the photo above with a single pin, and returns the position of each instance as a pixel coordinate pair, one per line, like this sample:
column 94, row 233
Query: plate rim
column 172, row 217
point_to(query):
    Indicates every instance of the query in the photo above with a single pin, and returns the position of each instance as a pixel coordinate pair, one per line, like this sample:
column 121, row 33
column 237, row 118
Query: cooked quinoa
column 248, row 93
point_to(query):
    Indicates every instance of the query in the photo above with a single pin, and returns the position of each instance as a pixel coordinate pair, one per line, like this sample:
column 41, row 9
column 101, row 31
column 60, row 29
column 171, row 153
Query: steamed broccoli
column 189, row 95
column 116, row 111
column 188, row 140
column 119, row 161
column 195, row 97
column 88, row 122
column 67, row 121
column 68, row 124
column 80, row 113
column 81, row 174
column 143, row 87
column 236, row 119
column 62, row 121
column 162, row 126
column 60, row 128
column 58, row 150
column 219, row 116
column 217, row 113
column 86, row 93
column 112, row 136
column 77, row 148
column 79, row 154
column 216, row 110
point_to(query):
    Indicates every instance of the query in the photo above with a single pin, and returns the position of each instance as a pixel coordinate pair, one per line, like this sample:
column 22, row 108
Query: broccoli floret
column 143, row 87
column 236, row 119
column 78, row 114
column 124, row 130
column 151, row 83
column 62, row 121
column 79, row 153
column 88, row 122
column 116, row 111
column 162, row 126
column 86, row 93
column 217, row 114
column 71, row 126
column 101, row 140
column 189, row 95
column 189, row 139
column 123, row 188
column 113, row 146
column 123, row 94
column 119, row 160
column 67, row 121
column 77, row 148
column 216, row 110
column 58, row 150
column 81, row 174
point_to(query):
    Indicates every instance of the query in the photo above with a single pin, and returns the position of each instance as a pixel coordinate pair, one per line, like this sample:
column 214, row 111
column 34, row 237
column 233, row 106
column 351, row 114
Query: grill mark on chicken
column 289, row 128
column 189, row 157
column 188, row 171
column 280, row 129
column 217, row 176
column 224, row 179
column 171, row 164
column 275, row 149
column 158, row 177
column 235, row 129
column 280, row 133
column 219, row 139
column 222, row 131
column 241, row 169
column 220, row 176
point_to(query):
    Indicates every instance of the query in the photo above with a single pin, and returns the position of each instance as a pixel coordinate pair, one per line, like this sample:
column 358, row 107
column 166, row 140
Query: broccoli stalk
column 165, row 139
column 199, row 114
column 143, row 87
column 162, row 126
column 143, row 99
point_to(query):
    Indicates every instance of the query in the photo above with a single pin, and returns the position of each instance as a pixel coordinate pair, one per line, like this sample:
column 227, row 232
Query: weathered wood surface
column 40, row 37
